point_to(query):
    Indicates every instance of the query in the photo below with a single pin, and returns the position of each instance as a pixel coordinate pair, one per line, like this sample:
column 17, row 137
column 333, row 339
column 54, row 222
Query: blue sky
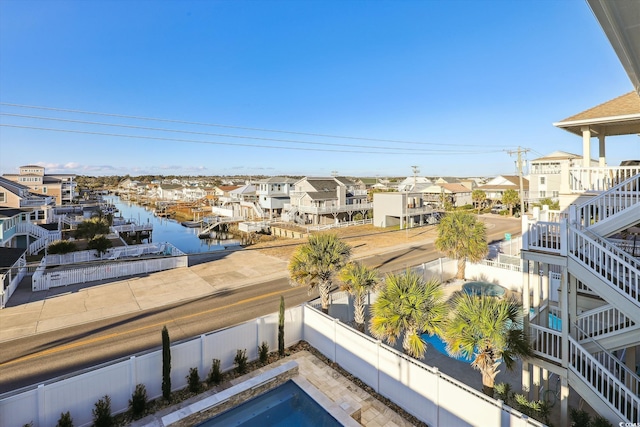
column 463, row 81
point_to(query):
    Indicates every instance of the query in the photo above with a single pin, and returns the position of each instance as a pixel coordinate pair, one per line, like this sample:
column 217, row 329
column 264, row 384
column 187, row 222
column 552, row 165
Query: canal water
column 168, row 230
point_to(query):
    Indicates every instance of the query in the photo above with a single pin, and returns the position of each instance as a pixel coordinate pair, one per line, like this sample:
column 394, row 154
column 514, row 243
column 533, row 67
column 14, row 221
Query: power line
column 157, row 138
column 240, row 127
column 413, row 150
column 233, row 144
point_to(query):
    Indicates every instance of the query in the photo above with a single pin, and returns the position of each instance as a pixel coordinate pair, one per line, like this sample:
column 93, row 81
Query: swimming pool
column 285, row 405
column 435, row 342
column 483, row 288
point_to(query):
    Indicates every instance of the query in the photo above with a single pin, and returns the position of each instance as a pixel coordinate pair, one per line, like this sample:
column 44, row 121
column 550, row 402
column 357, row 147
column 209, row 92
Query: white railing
column 601, row 321
column 114, row 253
column 631, row 247
column 20, row 271
column 585, row 289
column 599, row 178
column 604, row 383
column 546, row 342
column 32, row 229
column 46, row 279
column 618, row 273
column 339, row 225
column 604, row 206
column 334, row 209
column 544, row 236
column 502, row 265
column 132, row 227
column 619, row 370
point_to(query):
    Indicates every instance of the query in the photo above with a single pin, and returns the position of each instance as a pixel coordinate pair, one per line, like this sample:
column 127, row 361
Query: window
column 3, row 197
column 543, row 180
column 543, row 194
column 44, row 190
column 555, row 194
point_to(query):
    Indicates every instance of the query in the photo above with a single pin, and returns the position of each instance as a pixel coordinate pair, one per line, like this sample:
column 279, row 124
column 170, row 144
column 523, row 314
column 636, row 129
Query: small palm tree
column 461, row 236
column 316, row 263
column 478, row 197
column 487, row 330
column 510, row 198
column 409, row 306
column 358, row 280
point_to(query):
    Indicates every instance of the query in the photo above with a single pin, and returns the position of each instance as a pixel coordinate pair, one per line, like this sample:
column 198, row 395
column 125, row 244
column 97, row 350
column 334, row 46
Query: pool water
column 483, row 288
column 435, row 342
column 284, row 406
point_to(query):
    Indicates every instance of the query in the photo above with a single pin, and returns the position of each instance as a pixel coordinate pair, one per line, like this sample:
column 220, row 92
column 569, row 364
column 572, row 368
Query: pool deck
column 336, row 387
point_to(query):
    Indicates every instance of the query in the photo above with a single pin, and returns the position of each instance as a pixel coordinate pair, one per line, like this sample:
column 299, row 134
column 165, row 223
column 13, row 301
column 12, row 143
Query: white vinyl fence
column 43, row 404
column 423, row 391
column 119, row 262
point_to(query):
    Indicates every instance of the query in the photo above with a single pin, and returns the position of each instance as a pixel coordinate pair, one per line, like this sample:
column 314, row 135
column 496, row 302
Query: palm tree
column 510, row 198
column 461, row 236
column 358, row 280
column 478, row 197
column 409, row 306
column 488, row 330
column 316, row 263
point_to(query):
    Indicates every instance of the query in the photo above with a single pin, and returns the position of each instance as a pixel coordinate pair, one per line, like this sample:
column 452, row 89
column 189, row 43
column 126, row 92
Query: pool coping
column 345, row 411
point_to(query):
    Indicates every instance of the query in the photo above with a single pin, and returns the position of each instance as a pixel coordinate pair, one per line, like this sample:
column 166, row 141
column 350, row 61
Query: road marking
column 155, row 325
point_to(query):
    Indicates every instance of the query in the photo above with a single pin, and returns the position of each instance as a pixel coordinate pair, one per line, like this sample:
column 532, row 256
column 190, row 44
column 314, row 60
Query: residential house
column 581, row 273
column 170, row 192
column 402, row 209
column 549, row 175
column 496, row 187
column 15, row 195
column 455, row 194
column 62, row 187
column 273, row 194
column 413, row 183
column 326, row 200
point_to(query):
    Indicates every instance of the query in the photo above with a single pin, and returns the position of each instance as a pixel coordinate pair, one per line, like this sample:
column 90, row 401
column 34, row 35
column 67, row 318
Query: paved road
column 35, row 359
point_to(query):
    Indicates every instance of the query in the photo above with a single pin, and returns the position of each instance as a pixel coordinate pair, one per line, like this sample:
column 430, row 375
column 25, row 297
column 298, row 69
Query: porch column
column 526, row 303
column 586, row 146
column 586, row 157
column 602, row 161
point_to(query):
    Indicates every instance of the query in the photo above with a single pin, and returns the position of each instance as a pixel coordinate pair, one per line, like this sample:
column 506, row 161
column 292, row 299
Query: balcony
column 598, row 179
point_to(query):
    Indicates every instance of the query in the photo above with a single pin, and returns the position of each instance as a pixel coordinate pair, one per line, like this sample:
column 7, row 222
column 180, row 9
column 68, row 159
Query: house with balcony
column 15, row 195
column 273, row 194
column 404, row 210
column 437, row 195
column 62, row 187
column 549, row 176
column 319, row 201
column 581, row 270
column 496, row 187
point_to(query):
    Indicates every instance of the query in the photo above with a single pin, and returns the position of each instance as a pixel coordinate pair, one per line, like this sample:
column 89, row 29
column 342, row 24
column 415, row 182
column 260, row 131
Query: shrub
column 138, row 401
column 102, row 413
column 241, row 361
column 65, row 420
column 166, row 364
column 194, row 380
column 599, row 421
column 100, row 244
column 263, row 352
column 61, row 247
column 215, row 374
column 281, row 327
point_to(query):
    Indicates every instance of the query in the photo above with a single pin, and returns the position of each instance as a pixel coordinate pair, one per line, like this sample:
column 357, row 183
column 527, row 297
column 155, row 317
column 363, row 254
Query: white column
column 586, row 146
column 601, row 150
column 586, row 156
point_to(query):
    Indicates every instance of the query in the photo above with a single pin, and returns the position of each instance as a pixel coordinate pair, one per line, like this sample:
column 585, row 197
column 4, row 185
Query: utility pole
column 519, row 165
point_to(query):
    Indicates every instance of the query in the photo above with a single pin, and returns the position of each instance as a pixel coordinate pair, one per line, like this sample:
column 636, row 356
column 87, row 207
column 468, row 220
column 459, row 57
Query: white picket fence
column 421, row 390
column 120, row 262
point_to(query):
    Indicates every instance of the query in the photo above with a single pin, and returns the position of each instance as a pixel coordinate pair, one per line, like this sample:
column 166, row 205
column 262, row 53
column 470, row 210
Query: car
column 497, row 209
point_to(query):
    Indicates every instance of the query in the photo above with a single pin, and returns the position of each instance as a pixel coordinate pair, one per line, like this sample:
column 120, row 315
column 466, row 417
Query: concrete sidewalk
column 29, row 313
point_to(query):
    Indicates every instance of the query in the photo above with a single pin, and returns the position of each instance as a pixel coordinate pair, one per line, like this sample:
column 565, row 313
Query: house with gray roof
column 326, row 201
